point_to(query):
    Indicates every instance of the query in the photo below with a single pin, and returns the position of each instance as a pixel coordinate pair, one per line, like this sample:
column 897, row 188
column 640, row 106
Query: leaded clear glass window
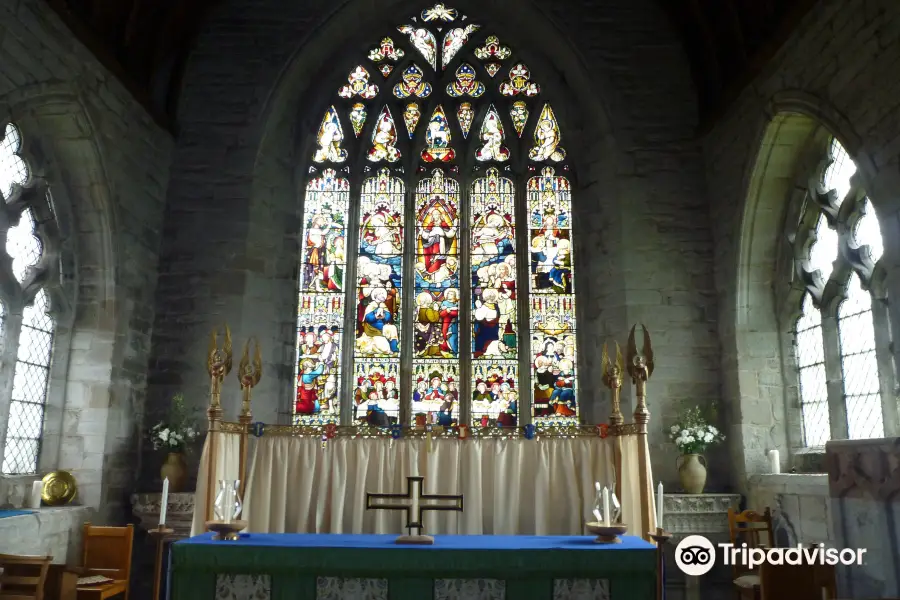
column 436, row 278
column 31, row 324
column 838, row 273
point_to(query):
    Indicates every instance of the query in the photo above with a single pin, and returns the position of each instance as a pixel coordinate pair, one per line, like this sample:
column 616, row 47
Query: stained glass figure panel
column 810, row 354
column 376, row 398
column 435, row 397
column 553, row 360
column 329, row 138
column 547, row 138
column 454, row 40
column 436, row 346
column 423, row 41
column 492, row 139
column 29, row 394
column 13, row 169
column 493, row 263
column 324, row 233
column 320, row 320
column 859, row 365
column 552, row 319
column 438, row 138
column 320, row 307
column 495, row 393
column 384, row 139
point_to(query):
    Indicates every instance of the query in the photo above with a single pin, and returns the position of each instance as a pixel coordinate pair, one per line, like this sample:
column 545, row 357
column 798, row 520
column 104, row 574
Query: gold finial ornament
column 640, row 367
column 612, row 378
column 218, row 364
column 249, row 374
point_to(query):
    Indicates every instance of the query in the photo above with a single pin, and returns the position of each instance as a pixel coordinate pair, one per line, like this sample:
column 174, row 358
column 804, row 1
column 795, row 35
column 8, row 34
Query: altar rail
column 249, row 372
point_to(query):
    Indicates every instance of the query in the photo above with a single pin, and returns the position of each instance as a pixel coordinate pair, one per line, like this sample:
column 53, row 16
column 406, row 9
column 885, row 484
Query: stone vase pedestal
column 175, row 469
column 692, row 473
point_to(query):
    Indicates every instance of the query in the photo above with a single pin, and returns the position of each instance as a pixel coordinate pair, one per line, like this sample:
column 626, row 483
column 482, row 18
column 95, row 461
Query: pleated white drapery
column 543, row 486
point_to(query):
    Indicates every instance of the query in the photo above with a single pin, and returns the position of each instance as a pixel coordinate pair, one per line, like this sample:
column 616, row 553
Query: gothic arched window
column 835, row 335
column 436, row 280
column 27, row 328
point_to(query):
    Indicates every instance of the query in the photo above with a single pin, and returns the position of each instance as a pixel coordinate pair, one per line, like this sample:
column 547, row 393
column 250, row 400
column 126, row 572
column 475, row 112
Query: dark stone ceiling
column 145, row 43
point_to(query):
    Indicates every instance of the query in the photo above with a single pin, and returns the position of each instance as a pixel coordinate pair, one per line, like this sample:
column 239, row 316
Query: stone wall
column 864, row 485
column 49, row 531
column 801, row 507
column 106, row 162
column 255, row 88
column 836, row 70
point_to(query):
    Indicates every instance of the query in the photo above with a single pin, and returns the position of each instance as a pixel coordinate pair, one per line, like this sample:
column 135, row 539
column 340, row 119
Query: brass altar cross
column 414, row 502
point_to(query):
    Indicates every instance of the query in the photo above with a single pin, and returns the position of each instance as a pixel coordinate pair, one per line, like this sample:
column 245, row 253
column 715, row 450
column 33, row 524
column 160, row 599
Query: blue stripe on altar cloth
column 441, row 542
column 15, row 513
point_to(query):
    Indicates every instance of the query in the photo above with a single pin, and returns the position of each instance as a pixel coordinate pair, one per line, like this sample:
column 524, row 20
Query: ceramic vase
column 692, row 473
column 175, row 469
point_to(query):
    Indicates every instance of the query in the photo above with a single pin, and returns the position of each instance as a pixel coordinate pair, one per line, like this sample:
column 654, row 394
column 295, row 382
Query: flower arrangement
column 692, row 433
column 173, row 434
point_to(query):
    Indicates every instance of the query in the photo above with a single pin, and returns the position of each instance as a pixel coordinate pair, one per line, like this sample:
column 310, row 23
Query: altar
column 464, row 567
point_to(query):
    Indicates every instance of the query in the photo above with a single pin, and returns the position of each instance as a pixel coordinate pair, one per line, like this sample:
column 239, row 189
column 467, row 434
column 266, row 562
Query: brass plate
column 59, row 488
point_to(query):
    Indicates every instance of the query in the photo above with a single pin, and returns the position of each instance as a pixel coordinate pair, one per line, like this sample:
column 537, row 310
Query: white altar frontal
column 523, row 480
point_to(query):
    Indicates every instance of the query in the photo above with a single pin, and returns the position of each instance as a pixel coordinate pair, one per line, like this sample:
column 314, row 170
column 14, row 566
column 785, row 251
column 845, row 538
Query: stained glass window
column 441, row 322
column 553, row 346
column 321, row 304
column 379, row 287
column 857, row 353
column 34, row 346
column 436, row 346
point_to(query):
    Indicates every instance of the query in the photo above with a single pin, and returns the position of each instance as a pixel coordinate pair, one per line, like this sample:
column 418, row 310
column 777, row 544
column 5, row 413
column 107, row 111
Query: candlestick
column 774, row 462
column 415, row 490
column 164, row 503
column 162, row 534
column 606, row 507
column 659, row 505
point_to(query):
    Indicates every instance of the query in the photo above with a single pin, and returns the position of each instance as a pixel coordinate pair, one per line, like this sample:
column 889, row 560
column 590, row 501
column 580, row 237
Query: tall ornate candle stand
column 661, row 537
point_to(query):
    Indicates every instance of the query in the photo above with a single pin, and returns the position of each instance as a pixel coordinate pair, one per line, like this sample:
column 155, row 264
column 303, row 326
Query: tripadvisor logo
column 695, row 555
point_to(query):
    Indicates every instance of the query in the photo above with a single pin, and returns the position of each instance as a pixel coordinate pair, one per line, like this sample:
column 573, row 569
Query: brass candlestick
column 161, row 534
column 660, row 537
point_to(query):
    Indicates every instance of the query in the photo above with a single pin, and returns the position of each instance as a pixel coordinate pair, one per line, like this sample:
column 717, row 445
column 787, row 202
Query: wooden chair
column 797, row 582
column 23, row 577
column 745, row 528
column 107, row 552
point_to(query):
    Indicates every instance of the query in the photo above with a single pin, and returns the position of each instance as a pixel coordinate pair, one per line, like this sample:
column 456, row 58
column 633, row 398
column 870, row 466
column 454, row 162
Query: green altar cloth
column 294, row 566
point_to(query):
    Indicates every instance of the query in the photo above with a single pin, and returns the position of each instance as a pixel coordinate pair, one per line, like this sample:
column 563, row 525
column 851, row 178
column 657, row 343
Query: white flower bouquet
column 173, row 434
column 692, row 434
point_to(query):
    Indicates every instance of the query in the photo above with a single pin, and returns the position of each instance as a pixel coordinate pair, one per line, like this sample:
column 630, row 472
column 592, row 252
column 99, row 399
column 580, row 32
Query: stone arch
column 293, row 112
column 796, row 129
column 63, row 148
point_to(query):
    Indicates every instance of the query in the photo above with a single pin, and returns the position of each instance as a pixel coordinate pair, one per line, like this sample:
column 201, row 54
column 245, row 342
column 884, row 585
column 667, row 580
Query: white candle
column 414, row 492
column 36, row 488
column 606, row 507
column 774, row 462
column 659, row 505
column 164, row 502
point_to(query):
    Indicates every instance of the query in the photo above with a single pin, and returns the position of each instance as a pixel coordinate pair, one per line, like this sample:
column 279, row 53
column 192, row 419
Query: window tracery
column 446, row 224
column 840, row 276
column 28, row 328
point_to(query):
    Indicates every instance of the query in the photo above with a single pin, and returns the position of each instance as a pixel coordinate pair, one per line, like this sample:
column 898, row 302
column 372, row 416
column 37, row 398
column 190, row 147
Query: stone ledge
column 54, row 531
column 801, row 484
